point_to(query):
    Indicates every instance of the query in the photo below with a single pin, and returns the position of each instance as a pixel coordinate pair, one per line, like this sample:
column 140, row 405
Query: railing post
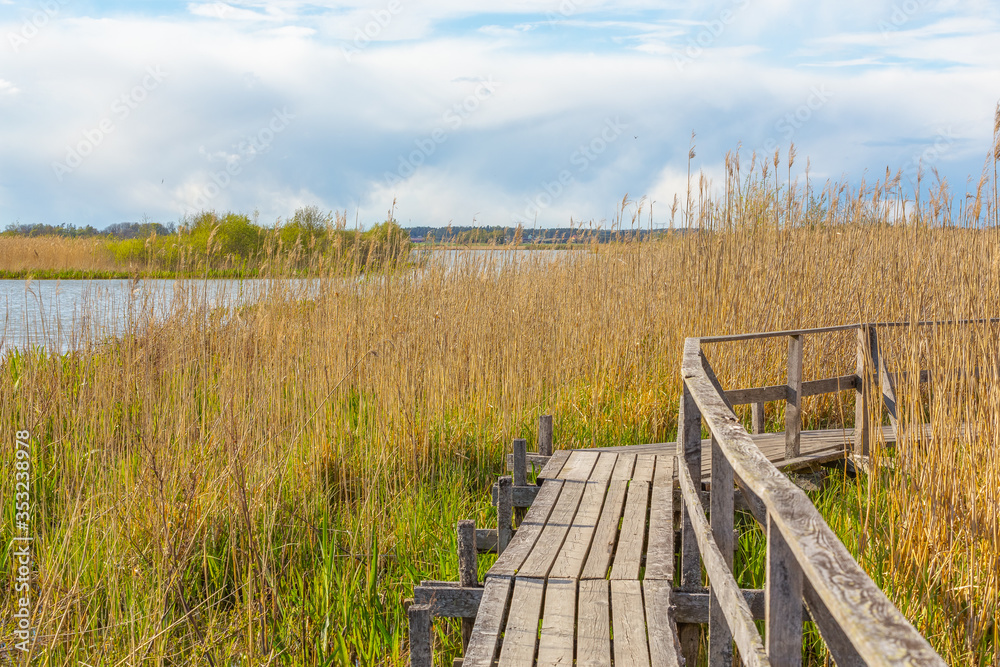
column 783, row 601
column 867, row 360
column 793, row 403
column 468, row 570
column 545, row 435
column 757, row 423
column 420, row 636
column 505, row 502
column 520, row 471
column 689, row 448
column 720, row 637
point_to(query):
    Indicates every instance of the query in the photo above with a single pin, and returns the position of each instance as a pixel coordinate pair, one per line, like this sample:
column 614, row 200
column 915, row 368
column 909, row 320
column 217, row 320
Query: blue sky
column 533, row 112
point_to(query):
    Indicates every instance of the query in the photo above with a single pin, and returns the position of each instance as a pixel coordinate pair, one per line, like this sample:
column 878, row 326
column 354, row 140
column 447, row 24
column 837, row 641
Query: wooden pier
column 593, row 574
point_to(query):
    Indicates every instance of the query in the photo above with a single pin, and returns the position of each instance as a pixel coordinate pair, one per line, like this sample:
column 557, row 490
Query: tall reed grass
column 264, row 485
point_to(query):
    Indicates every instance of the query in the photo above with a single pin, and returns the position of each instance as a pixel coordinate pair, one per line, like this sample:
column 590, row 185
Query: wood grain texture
column 547, row 546
column 485, row 638
column 577, row 468
column 604, row 467
column 449, row 602
column 731, row 600
column 520, row 635
column 555, row 644
column 421, row 654
column 757, row 416
column 505, row 513
column 643, row 471
column 468, row 570
column 632, row 536
column 879, row 632
column 783, row 615
column 664, row 642
column 511, row 559
column 520, row 467
column 545, row 435
column 793, row 403
column 720, row 639
column 624, row 466
column 576, row 546
column 780, row 391
column 660, row 546
column 554, row 466
column 603, row 543
column 593, row 631
column 689, row 450
column 628, row 618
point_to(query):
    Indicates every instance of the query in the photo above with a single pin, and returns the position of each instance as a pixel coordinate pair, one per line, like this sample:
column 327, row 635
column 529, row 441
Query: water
column 61, row 314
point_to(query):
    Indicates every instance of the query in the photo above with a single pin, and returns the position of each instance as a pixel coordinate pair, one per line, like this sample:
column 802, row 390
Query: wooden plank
column 793, row 404
column 866, row 354
column 421, row 639
column 520, row 636
column 539, row 561
column 468, row 571
column 888, row 387
column 780, row 391
column 555, row 646
column 579, row 465
column 510, row 560
column 604, row 467
column 593, row 631
column 623, row 467
column 720, row 639
column 554, row 466
column 628, row 618
column 534, row 461
column 486, row 540
column 836, row 640
column 660, row 549
column 521, row 496
column 692, row 606
column 489, row 622
column 689, row 449
column 574, row 550
column 631, row 539
column 879, row 632
column 520, row 467
column 664, row 644
column 644, row 464
column 721, row 579
column 545, row 435
column 449, row 601
column 603, row 543
column 757, row 417
column 783, row 622
column 505, row 513
column 776, row 334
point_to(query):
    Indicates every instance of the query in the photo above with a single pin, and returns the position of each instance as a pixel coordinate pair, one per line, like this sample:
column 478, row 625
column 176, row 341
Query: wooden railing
column 807, row 566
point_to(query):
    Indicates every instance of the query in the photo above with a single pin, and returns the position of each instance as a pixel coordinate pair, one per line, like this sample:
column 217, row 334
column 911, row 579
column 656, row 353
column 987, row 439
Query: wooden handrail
column 854, row 616
column 729, row 338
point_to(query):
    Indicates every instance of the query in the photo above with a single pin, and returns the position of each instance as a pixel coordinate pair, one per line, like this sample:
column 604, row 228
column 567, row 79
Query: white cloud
column 6, row 87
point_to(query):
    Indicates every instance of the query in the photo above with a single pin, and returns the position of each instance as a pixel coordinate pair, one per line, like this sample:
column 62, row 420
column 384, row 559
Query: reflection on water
column 62, row 314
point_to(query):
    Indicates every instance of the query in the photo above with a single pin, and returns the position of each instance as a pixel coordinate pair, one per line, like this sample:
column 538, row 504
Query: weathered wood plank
column 486, row 540
column 489, row 622
column 779, row 392
column 664, row 644
column 573, row 553
column 628, row 618
column 604, row 467
column 449, row 601
column 468, row 570
column 543, row 554
column 793, row 404
column 534, row 461
column 511, row 559
column 723, row 584
column 867, row 356
column 623, row 467
column 836, row 640
column 783, row 622
column 593, row 631
column 521, row 496
column 520, row 467
column 555, row 646
column 554, row 465
column 720, row 639
column 520, row 636
column 421, row 639
column 545, row 435
column 644, row 464
column 505, row 513
column 660, row 548
column 579, row 465
column 757, row 416
column 776, row 334
column 689, row 451
column 603, row 543
column 631, row 538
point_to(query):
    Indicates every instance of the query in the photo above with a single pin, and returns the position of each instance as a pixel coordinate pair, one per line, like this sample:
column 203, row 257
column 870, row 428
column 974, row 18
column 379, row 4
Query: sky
column 533, row 112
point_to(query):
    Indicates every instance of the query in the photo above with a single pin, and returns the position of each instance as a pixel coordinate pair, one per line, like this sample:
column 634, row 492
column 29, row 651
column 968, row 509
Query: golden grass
column 270, row 483
column 53, row 253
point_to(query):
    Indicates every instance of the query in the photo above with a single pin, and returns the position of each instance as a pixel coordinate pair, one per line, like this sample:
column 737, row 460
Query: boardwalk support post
column 520, row 472
column 783, row 600
column 758, row 418
column 720, row 637
column 468, row 570
column 793, row 404
column 505, row 501
column 420, row 635
column 545, row 435
column 689, row 451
